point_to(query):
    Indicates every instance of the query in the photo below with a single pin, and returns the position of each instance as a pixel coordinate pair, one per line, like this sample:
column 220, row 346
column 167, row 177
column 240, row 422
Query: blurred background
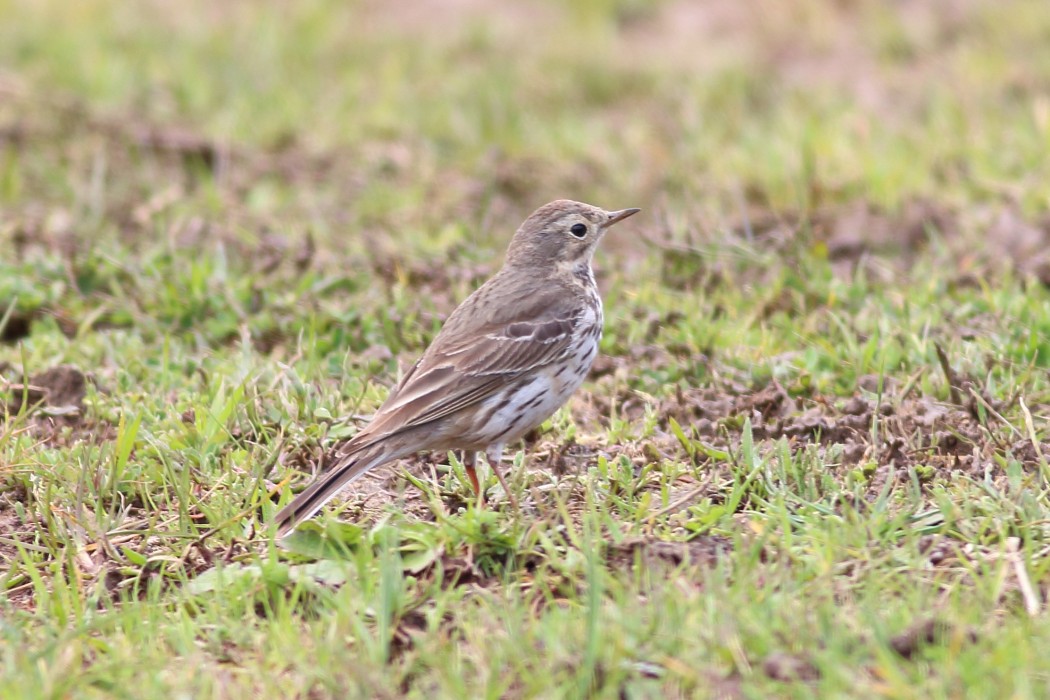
column 409, row 127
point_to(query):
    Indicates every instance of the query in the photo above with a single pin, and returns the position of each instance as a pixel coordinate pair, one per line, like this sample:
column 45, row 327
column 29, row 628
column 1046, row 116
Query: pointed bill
column 617, row 216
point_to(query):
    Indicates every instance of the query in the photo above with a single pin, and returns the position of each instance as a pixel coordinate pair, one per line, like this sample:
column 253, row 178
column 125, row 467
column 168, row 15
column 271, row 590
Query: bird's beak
column 617, row 216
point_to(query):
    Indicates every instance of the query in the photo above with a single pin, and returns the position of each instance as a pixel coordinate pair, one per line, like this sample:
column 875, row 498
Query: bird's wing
column 473, row 358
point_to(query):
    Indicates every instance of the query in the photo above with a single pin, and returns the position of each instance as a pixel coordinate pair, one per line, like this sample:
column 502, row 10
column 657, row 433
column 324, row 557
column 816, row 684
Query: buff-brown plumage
column 505, row 360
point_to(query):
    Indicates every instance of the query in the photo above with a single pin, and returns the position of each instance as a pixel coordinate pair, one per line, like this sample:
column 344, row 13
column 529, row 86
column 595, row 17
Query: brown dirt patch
column 789, row 668
column 54, row 411
column 16, row 327
column 929, row 632
column 887, row 434
column 703, row 551
column 60, row 389
column 53, row 405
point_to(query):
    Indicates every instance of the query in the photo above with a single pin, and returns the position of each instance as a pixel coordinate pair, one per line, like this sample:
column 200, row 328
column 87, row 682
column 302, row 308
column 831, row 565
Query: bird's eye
column 578, row 230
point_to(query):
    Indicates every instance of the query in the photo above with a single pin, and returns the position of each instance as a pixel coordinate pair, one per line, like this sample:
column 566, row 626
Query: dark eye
column 578, row 230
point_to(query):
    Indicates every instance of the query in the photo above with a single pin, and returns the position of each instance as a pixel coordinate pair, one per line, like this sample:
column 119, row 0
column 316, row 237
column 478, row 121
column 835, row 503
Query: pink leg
column 469, row 461
column 493, row 457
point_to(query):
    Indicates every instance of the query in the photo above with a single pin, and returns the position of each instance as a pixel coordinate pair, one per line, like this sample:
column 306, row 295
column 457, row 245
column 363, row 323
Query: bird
column 504, row 361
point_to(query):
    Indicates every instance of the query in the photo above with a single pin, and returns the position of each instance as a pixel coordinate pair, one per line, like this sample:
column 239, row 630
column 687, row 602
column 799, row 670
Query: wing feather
column 464, row 366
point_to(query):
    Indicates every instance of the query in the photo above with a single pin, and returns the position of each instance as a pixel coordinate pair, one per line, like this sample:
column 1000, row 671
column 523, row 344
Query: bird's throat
column 582, row 274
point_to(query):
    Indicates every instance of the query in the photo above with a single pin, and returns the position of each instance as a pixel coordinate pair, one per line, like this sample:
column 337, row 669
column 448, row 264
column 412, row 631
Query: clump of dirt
column 58, row 391
column 51, row 402
column 699, row 551
column 16, row 327
column 902, row 430
column 789, row 668
column 926, row 633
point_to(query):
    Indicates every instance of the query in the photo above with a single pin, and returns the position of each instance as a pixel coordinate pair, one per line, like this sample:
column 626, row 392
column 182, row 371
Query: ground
column 811, row 460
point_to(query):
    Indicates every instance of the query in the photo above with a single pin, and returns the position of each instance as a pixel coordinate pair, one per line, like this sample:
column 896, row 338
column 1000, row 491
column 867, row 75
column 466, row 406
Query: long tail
column 349, row 467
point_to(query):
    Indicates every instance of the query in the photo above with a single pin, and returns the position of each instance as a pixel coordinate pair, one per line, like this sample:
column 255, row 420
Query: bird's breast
column 525, row 404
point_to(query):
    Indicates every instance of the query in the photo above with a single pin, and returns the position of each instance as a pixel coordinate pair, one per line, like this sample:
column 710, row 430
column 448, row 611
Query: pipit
column 506, row 359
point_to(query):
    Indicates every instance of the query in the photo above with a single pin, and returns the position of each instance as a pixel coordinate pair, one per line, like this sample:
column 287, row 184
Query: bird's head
column 562, row 233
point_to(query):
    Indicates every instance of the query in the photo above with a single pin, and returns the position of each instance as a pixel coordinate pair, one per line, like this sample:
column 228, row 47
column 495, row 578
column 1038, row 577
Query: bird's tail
column 355, row 462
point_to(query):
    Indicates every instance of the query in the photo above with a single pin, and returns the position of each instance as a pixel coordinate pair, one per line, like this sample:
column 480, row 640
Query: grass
column 812, row 461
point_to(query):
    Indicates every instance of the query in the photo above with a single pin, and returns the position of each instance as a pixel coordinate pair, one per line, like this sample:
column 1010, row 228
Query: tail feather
column 349, row 468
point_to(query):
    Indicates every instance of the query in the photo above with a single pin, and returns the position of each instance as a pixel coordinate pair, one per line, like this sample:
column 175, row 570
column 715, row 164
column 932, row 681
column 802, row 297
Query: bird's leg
column 493, row 456
column 470, row 458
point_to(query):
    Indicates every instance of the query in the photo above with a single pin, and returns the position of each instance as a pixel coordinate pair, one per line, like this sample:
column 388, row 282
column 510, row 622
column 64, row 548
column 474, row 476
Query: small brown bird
column 506, row 359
